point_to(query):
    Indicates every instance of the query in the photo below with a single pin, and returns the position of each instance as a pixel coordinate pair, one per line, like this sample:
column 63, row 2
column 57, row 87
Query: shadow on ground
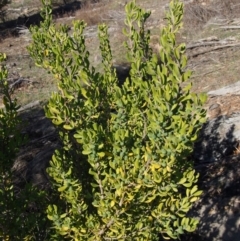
column 10, row 28
column 219, row 167
column 34, row 156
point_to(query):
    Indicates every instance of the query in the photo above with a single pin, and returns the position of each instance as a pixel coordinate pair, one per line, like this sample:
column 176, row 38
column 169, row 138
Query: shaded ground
column 31, row 16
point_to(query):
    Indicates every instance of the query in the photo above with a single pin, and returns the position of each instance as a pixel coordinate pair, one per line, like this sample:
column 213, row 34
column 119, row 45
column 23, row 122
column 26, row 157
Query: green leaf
column 86, row 152
column 198, row 193
column 193, row 199
column 68, row 127
column 101, row 154
column 194, row 189
column 63, row 188
column 63, row 215
column 57, row 121
column 187, row 184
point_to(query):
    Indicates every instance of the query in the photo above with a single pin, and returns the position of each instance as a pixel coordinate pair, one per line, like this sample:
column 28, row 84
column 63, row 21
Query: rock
column 33, row 158
column 30, row 105
column 217, row 159
column 218, row 138
column 218, row 207
column 37, row 166
column 233, row 89
column 214, row 111
column 220, row 135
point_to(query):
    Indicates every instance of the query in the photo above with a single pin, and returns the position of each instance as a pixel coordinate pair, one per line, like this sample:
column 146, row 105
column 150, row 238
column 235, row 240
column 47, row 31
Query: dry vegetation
column 92, row 15
column 213, row 19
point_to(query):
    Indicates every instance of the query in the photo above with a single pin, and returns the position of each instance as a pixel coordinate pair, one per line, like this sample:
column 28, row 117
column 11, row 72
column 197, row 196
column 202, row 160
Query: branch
column 103, row 230
column 99, row 182
column 230, row 27
column 206, row 73
column 106, row 227
column 29, row 106
column 213, row 49
column 17, row 82
column 202, row 44
column 208, row 43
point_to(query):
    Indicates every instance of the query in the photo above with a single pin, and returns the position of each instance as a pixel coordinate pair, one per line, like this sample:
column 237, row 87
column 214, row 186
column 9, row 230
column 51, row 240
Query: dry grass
column 92, row 14
column 215, row 69
column 203, row 19
column 197, row 15
column 229, row 8
column 199, row 12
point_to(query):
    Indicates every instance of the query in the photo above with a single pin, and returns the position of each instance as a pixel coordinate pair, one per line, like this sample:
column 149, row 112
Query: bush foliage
column 123, row 172
column 22, row 210
column 10, row 141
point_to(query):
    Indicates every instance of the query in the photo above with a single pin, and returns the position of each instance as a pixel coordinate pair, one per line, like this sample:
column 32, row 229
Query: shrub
column 123, row 172
column 10, row 141
column 18, row 221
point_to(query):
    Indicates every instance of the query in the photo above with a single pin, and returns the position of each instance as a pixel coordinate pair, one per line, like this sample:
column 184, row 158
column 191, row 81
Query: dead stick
column 203, row 44
column 213, row 49
column 230, row 27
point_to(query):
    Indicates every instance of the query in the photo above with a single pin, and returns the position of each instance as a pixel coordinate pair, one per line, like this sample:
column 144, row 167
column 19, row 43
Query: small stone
column 214, row 111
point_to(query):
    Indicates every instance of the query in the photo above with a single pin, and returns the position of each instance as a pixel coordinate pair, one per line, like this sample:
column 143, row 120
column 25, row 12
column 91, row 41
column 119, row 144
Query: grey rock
column 214, row 111
column 218, row 138
column 218, row 207
column 218, row 225
column 233, row 89
column 29, row 105
column 33, row 159
column 37, row 166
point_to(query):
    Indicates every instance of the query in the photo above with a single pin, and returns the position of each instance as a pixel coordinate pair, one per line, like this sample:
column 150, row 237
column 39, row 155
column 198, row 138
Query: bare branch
column 213, row 49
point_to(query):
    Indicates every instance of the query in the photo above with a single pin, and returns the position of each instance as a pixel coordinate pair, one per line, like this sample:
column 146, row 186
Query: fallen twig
column 230, row 27
column 213, row 49
column 208, row 43
column 29, row 106
column 206, row 73
column 203, row 44
column 17, row 82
